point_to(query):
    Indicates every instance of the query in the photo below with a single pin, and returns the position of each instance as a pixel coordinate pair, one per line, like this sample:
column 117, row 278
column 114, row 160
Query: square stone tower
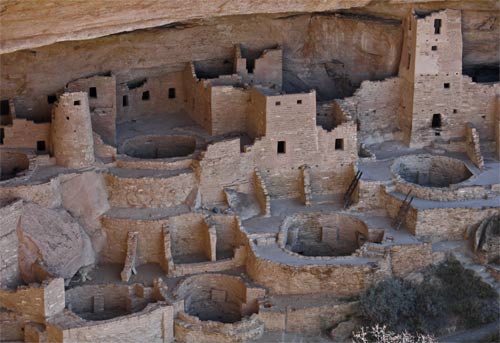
column 431, row 70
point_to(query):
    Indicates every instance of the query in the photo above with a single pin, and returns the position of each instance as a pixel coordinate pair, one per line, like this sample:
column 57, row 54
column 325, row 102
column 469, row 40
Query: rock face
column 9, row 266
column 52, row 242
column 31, row 24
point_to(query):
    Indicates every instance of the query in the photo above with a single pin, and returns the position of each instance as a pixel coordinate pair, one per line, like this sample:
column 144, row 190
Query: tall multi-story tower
column 431, row 69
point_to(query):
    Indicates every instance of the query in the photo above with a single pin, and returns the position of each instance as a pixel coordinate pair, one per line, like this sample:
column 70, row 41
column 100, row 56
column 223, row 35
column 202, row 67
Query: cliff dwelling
column 247, row 171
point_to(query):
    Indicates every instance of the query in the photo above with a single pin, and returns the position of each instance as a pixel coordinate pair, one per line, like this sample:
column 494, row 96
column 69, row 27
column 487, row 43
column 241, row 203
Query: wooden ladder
column 403, row 210
column 350, row 190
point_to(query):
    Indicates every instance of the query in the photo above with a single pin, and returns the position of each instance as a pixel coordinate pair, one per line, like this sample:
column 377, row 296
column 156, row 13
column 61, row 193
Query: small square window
column 40, row 146
column 278, row 103
column 281, row 147
column 93, row 92
column 299, row 102
column 171, row 93
column 76, row 102
column 145, row 95
column 51, row 98
column 125, row 101
column 434, row 48
column 446, row 85
column 455, row 110
column 339, row 144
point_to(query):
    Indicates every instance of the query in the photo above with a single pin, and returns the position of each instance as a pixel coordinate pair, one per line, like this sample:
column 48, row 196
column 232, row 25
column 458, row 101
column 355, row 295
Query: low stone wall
column 449, row 223
column 410, row 257
column 190, row 329
column 341, row 279
column 10, row 275
column 149, row 191
column 205, row 267
column 35, row 302
column 44, row 194
column 311, row 319
column 175, row 163
column 153, row 324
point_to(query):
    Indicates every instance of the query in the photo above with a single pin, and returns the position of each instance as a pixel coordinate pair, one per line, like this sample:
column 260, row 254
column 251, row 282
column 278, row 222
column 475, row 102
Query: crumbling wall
column 375, row 106
column 198, row 98
column 472, row 146
column 72, row 140
column 102, row 104
column 44, row 194
column 187, row 236
column 213, row 172
column 35, row 302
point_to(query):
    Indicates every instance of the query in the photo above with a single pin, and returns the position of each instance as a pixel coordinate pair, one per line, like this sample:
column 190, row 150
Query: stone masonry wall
column 35, row 302
column 132, row 103
column 153, row 324
column 26, row 134
column 149, row 191
column 229, row 108
column 72, row 140
column 376, row 105
column 102, row 106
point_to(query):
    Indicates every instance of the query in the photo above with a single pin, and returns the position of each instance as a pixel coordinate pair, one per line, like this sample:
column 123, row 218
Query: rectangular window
column 4, row 107
column 250, row 64
column 299, row 102
column 409, row 62
column 434, row 48
column 51, row 98
column 455, row 110
column 2, row 134
column 93, row 92
column 436, row 120
column 278, row 103
column 281, row 147
column 437, row 26
column 339, row 144
column 171, row 93
column 40, row 146
column 446, row 85
column 145, row 95
column 125, row 101
column 76, row 102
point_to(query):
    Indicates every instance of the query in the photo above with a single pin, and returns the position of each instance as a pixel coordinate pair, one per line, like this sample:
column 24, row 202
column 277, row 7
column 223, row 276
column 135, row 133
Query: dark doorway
column 40, row 146
column 4, row 107
column 281, row 147
column 171, row 93
column 93, row 92
column 125, row 101
column 436, row 120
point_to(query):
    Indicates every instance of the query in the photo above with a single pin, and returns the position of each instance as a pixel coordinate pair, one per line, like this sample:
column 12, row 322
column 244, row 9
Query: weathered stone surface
column 52, row 240
column 85, row 197
column 9, row 266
